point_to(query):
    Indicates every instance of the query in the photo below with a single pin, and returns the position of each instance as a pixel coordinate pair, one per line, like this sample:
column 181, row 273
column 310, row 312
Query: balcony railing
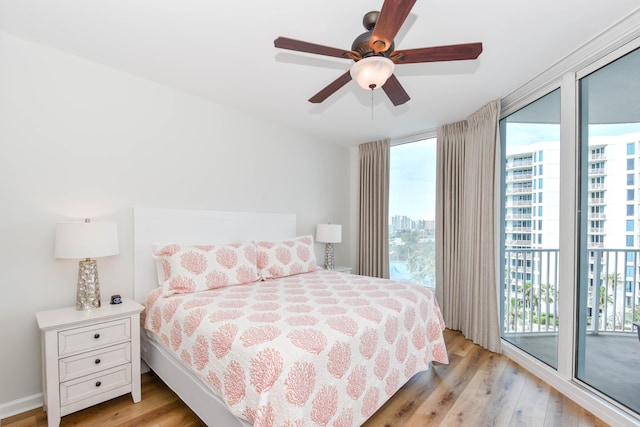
column 518, row 203
column 597, row 171
column 519, row 163
column 511, row 216
column 518, row 190
column 519, row 177
column 531, row 290
column 517, row 242
column 516, row 229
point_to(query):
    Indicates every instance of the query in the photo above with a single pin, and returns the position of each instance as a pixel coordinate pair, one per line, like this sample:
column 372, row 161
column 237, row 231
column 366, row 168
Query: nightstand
column 89, row 356
column 342, row 269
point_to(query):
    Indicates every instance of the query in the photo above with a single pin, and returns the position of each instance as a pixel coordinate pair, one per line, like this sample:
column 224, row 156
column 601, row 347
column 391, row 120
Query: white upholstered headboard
column 193, row 227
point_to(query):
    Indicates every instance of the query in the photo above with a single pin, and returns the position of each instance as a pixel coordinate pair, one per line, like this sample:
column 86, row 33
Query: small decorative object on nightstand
column 329, row 234
column 89, row 357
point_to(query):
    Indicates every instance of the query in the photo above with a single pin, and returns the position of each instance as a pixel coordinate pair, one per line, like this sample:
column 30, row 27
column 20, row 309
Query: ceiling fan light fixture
column 372, row 72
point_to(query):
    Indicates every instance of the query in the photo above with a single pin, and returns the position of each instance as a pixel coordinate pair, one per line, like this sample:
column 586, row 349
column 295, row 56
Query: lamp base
column 88, row 296
column 328, row 256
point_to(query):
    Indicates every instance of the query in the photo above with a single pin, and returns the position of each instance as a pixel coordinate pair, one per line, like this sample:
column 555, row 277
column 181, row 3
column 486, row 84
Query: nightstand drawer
column 92, row 385
column 76, row 340
column 87, row 363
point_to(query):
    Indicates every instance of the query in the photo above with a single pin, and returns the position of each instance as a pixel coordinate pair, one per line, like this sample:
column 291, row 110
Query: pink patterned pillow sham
column 186, row 269
column 286, row 257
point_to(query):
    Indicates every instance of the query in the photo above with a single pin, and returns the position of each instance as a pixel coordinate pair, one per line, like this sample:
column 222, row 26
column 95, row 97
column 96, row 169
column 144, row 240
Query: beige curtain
column 466, row 226
column 373, row 210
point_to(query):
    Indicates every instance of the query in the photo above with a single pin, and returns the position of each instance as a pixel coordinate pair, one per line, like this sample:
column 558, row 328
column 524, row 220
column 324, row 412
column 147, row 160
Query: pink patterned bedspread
column 321, row 348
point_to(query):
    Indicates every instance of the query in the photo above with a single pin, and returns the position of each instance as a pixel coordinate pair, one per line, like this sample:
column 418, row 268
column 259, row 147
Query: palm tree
column 547, row 292
column 606, row 296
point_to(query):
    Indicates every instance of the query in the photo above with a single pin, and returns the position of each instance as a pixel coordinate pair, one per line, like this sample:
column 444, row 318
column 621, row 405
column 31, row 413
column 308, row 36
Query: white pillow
column 286, row 257
column 185, row 269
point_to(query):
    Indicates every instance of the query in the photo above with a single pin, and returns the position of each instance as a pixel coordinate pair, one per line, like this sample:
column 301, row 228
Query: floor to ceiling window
column 531, row 182
column 570, row 282
column 570, row 294
column 608, row 351
column 412, row 212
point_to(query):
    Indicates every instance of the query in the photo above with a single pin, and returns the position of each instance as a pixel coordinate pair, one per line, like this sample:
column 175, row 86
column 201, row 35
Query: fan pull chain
column 372, row 101
column 372, row 86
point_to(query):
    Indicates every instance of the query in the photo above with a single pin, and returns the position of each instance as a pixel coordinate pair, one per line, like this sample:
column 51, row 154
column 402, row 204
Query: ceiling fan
column 375, row 56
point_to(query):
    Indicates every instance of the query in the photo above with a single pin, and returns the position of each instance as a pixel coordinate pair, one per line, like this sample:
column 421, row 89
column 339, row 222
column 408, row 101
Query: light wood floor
column 477, row 388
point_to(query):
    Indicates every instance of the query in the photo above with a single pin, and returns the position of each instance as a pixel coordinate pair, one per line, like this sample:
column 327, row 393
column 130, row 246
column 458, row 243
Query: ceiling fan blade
column 395, row 91
column 454, row 52
column 392, row 16
column 331, row 88
column 300, row 46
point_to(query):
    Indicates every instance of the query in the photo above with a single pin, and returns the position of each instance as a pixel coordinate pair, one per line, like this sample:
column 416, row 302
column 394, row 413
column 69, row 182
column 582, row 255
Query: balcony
column 596, row 201
column 519, row 203
column 597, row 215
column 516, row 229
column 512, row 216
column 610, row 306
column 519, row 177
column 611, row 366
column 597, row 156
column 512, row 164
column 518, row 190
column 514, row 242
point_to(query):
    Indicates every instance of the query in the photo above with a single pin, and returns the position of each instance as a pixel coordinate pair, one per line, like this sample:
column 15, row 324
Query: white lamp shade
column 329, row 233
column 86, row 239
column 372, row 72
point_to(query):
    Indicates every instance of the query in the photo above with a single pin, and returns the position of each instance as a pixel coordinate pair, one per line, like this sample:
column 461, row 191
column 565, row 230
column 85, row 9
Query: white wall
column 78, row 139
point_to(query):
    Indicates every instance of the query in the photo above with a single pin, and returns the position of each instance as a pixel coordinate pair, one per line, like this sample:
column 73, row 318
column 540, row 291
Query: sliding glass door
column 531, row 183
column 608, row 350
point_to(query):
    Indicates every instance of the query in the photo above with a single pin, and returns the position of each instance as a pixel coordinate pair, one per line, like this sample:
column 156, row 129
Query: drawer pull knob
column 98, row 383
column 96, row 336
column 97, row 361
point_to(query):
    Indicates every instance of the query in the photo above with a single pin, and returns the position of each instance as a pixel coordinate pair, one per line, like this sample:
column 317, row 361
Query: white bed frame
column 163, row 226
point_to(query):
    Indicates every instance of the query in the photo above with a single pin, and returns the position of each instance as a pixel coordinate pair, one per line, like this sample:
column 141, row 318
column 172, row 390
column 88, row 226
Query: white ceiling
column 223, row 51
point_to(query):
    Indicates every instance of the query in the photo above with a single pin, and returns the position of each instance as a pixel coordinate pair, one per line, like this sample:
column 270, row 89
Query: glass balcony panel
column 607, row 347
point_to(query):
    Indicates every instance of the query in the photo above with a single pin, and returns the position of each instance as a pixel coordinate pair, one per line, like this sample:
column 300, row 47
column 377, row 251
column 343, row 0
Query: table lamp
column 86, row 240
column 329, row 234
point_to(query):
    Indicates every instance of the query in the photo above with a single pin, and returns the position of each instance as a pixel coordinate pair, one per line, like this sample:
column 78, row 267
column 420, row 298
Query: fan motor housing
column 369, row 20
column 361, row 43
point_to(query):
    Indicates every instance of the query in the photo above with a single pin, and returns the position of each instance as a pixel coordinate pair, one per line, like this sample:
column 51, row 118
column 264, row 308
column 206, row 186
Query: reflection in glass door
column 531, row 184
column 608, row 350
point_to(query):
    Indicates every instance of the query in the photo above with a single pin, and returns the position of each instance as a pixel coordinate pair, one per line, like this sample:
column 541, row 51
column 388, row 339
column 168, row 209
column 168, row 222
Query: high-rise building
column 610, row 214
column 532, row 182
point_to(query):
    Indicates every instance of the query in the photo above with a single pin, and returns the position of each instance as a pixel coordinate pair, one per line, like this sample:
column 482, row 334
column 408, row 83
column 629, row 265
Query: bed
column 302, row 347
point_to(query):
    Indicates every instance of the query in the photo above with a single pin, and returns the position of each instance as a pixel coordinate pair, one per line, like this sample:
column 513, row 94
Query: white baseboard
column 20, row 405
column 598, row 406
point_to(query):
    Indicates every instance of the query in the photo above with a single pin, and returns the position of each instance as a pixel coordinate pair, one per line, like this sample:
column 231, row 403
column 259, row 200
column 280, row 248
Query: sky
column 412, row 181
column 530, row 133
column 413, row 165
